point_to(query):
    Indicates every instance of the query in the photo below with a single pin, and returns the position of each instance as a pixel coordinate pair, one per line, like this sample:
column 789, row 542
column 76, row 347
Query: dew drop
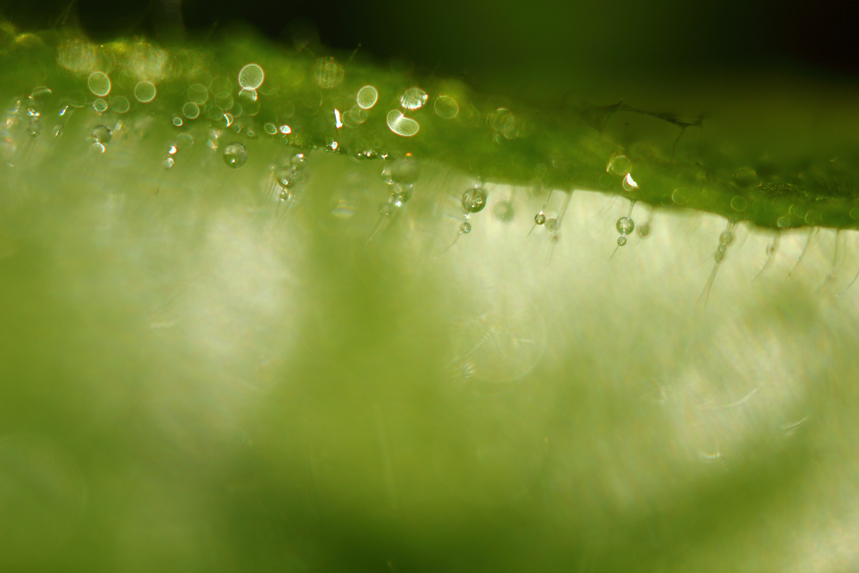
column 248, row 95
column 235, row 155
column 629, row 184
column 177, row 121
column 401, row 194
column 251, row 76
column 465, row 228
column 198, row 94
column 99, row 105
column 99, row 84
column 191, row 110
column 367, row 97
column 619, row 165
column 413, row 98
column 551, row 225
column 539, row 219
column 270, row 128
column 328, row 73
column 224, row 101
column 184, row 140
column 402, row 125
column 101, row 134
column 621, row 241
column 644, row 230
column 120, row 104
column 145, row 92
column 726, row 238
column 168, row 162
column 625, row 225
column 446, row 107
column 738, row 203
column 34, row 128
column 474, row 200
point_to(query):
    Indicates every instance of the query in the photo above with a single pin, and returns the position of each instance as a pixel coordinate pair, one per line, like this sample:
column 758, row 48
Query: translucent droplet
column 298, row 160
column 681, row 195
column 270, row 128
column 401, row 194
column 474, row 200
column 644, row 230
column 328, row 73
column 745, row 177
column 629, row 184
column 248, row 95
column 551, row 224
column 738, row 203
column 413, row 98
column 34, row 128
column 120, row 104
column 621, row 241
column 177, row 121
column 251, row 76
column 625, row 225
column 99, row 84
column 465, row 228
column 404, row 170
column 224, row 101
column 168, row 162
column 284, row 177
column 726, row 238
column 402, row 125
column 719, row 256
column 619, row 165
column 503, row 211
column 191, row 110
column 101, row 134
column 184, row 140
column 235, row 155
column 355, row 116
column 145, row 92
column 100, row 105
column 97, row 148
column 198, row 94
column 367, row 97
column 539, row 219
column 446, row 107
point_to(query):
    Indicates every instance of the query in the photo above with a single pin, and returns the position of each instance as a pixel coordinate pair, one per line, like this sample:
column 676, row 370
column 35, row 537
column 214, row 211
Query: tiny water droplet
column 328, row 73
column 474, row 200
column 401, row 194
column 539, row 219
column 168, row 162
column 99, row 84
column 551, row 224
column 465, row 227
column 629, row 184
column 120, row 104
column 625, row 225
column 621, row 241
column 503, row 211
column 101, row 134
column 100, row 105
column 191, row 110
column 198, row 94
column 34, row 128
column 413, row 98
column 644, row 230
column 145, row 92
column 251, row 76
column 726, row 238
column 446, row 107
column 177, row 121
column 402, row 125
column 235, row 155
column 367, row 97
column 404, row 170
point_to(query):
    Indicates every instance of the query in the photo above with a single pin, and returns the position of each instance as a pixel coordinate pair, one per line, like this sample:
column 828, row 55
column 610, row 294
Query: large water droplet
column 367, row 97
column 101, row 134
column 99, row 84
column 402, row 125
column 235, row 155
column 446, row 107
column 474, row 200
column 251, row 77
column 145, row 92
column 413, row 98
column 625, row 225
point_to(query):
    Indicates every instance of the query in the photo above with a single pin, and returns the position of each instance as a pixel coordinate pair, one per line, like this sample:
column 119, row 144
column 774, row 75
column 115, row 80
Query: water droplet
column 168, row 162
column 99, row 84
column 539, row 219
column 367, row 97
column 99, row 105
column 298, row 159
column 629, row 184
column 413, row 98
column 402, row 125
column 198, row 94
column 644, row 230
column 726, row 238
column 745, row 177
column 503, row 211
column 224, row 101
column 551, row 224
column 270, row 128
column 619, row 165
column 446, row 107
column 34, row 128
column 738, row 203
column 465, row 228
column 145, row 92
column 120, row 104
column 681, row 195
column 625, row 225
column 328, row 73
column 235, row 155
column 355, row 116
column 783, row 222
column 474, row 200
column 404, row 170
column 621, row 241
column 251, row 76
column 191, row 110
column 248, row 96
column 177, row 121
column 101, row 134
column 401, row 194
column 719, row 256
